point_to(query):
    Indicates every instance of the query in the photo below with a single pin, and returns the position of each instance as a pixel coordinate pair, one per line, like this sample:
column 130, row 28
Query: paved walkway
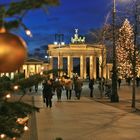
column 89, row 119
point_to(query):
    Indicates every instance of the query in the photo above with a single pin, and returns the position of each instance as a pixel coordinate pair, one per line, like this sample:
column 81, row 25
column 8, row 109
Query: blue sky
column 71, row 14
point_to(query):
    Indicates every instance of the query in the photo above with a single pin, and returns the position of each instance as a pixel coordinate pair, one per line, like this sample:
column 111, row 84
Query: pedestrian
column 78, row 87
column 128, row 80
column 30, row 89
column 119, row 82
column 47, row 92
column 137, row 81
column 68, row 88
column 91, row 87
column 58, row 87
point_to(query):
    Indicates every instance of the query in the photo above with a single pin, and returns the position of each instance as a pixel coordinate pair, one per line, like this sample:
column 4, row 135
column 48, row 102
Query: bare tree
column 99, row 37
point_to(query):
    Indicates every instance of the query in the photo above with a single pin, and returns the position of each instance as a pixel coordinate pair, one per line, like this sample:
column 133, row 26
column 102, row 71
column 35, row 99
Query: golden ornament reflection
column 12, row 52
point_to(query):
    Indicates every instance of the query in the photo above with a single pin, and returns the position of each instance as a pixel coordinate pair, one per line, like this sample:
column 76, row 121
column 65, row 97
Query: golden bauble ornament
column 12, row 52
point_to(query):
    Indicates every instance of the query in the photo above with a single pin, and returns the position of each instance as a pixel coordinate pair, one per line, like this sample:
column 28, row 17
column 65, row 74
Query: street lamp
column 114, row 96
column 27, row 31
column 59, row 40
column 47, row 57
column 136, row 19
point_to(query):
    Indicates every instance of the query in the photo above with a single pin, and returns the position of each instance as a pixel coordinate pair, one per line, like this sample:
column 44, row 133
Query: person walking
column 78, row 87
column 47, row 92
column 119, row 82
column 58, row 87
column 68, row 88
column 128, row 80
column 91, row 87
column 137, row 81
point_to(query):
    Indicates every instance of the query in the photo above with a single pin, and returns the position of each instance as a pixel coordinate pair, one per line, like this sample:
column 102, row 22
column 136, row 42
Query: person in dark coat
column 91, row 87
column 119, row 82
column 137, row 81
column 78, row 88
column 47, row 93
column 58, row 87
column 128, row 80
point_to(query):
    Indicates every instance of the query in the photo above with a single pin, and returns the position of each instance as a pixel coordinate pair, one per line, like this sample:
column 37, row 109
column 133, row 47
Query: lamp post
column 59, row 40
column 114, row 96
column 134, row 63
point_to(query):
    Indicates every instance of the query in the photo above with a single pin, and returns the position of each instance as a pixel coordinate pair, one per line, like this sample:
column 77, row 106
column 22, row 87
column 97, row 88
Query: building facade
column 92, row 57
column 31, row 66
column 93, row 53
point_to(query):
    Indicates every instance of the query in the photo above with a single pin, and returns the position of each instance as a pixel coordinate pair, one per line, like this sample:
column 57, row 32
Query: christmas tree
column 127, row 54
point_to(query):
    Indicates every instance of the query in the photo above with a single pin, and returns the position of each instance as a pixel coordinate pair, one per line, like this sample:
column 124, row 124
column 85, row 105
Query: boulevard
column 89, row 119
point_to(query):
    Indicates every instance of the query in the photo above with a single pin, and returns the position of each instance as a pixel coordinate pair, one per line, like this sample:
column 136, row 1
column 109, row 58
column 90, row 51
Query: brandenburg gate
column 78, row 49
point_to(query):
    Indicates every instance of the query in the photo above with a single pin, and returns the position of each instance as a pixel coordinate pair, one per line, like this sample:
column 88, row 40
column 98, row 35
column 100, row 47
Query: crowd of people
column 57, row 85
column 73, row 86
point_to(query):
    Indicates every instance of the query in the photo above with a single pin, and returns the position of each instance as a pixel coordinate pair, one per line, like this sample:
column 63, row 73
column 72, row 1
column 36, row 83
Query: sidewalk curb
column 33, row 123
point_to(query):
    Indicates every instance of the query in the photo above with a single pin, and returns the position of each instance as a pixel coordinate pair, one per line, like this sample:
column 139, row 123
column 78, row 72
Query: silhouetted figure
column 137, row 81
column 119, row 82
column 91, row 87
column 108, row 90
column 47, row 93
column 128, row 80
column 58, row 87
column 101, row 84
column 68, row 87
column 78, row 87
column 30, row 89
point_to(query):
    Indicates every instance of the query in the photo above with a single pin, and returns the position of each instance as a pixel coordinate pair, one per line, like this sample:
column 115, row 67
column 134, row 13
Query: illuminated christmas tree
column 127, row 54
